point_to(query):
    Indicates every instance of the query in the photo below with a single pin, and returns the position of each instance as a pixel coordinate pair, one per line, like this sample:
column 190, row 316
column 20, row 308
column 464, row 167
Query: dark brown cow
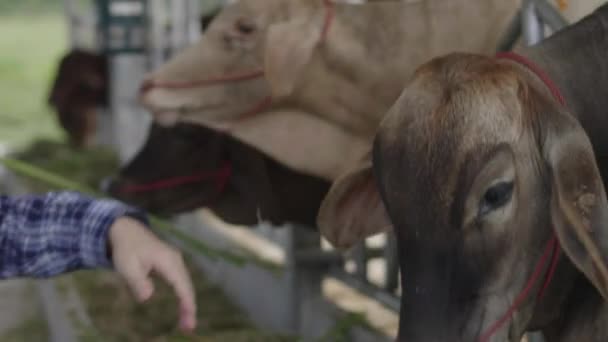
column 496, row 191
column 79, row 88
column 186, row 167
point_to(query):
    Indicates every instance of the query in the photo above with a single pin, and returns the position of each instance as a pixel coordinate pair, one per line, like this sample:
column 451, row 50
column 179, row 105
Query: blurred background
column 32, row 41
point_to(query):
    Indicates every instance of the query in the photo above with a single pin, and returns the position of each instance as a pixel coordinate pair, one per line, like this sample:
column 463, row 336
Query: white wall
column 577, row 9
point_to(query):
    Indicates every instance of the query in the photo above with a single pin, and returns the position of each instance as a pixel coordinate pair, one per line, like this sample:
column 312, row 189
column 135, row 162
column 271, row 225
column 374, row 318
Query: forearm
column 42, row 236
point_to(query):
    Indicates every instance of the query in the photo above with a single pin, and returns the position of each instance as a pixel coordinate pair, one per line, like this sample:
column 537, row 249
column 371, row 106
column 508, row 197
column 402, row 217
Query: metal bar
column 513, row 33
column 389, row 300
column 193, row 28
column 316, row 256
column 532, row 27
column 157, row 32
column 360, row 258
column 178, row 26
column 391, row 282
column 550, row 15
column 306, row 281
column 68, row 6
column 375, row 252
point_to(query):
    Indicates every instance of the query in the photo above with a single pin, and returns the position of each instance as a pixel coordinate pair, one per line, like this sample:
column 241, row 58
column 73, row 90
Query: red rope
column 536, row 70
column 220, row 176
column 556, row 253
column 540, row 266
column 552, row 247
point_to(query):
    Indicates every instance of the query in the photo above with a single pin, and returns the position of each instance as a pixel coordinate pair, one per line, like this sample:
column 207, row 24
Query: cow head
column 221, row 75
column 185, row 167
column 324, row 58
column 227, row 76
column 478, row 168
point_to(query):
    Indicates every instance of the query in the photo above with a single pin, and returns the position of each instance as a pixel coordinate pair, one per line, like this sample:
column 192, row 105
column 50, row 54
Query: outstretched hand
column 136, row 252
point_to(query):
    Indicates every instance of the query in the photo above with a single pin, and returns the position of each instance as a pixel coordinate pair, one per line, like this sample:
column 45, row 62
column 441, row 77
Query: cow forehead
column 471, row 99
column 445, row 117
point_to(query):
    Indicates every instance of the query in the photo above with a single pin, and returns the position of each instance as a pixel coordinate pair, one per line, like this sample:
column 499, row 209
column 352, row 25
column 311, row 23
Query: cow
column 341, row 64
column 79, row 89
column 189, row 166
column 492, row 173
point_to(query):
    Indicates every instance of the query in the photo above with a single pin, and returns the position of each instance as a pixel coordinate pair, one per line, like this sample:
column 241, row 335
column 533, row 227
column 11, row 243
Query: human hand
column 136, row 252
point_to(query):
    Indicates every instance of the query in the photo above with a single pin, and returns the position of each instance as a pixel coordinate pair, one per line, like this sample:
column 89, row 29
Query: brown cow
column 486, row 176
column 79, row 88
column 189, row 166
column 343, row 65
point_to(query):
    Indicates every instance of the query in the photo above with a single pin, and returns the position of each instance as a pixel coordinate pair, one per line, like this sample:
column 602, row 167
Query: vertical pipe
column 193, row 30
column 550, row 15
column 533, row 29
column 514, row 30
column 70, row 13
column 392, row 263
column 178, row 25
column 360, row 258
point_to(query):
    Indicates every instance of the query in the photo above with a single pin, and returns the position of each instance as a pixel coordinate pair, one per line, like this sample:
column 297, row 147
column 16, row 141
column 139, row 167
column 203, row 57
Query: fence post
column 305, row 278
column 392, row 263
column 533, row 27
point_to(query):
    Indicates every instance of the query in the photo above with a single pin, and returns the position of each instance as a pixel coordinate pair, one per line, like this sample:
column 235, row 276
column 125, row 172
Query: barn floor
column 21, row 317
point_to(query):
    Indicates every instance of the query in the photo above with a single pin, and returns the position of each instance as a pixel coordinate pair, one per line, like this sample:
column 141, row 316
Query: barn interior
column 71, row 75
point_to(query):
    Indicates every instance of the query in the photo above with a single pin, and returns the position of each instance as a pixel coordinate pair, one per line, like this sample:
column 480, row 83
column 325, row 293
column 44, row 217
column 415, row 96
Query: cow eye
column 495, row 197
column 244, row 26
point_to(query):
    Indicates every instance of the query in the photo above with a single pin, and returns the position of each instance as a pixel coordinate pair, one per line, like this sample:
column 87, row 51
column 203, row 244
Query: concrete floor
column 19, row 304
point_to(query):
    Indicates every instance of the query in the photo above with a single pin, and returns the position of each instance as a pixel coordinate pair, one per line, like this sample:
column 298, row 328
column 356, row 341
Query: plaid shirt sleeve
column 55, row 233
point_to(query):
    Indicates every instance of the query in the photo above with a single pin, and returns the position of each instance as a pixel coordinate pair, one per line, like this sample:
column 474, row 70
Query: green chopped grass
column 117, row 317
column 84, row 166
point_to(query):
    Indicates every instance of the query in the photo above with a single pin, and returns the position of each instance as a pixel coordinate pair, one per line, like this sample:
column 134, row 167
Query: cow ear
column 353, row 209
column 579, row 210
column 289, row 49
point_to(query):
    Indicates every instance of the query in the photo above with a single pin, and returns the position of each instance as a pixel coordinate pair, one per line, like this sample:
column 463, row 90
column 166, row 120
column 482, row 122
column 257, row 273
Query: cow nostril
column 146, row 86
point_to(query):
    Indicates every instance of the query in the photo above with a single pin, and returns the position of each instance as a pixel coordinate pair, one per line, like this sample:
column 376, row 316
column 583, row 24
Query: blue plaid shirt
column 55, row 233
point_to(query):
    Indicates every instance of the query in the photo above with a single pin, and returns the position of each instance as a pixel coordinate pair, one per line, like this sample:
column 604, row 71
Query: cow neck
column 575, row 60
column 546, row 265
column 265, row 103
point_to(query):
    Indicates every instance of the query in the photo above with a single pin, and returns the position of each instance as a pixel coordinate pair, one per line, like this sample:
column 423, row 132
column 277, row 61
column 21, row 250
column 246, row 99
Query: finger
column 136, row 276
column 173, row 270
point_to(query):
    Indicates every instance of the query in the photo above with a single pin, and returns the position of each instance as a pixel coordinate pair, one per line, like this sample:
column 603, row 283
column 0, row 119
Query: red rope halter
column 552, row 250
column 220, row 176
